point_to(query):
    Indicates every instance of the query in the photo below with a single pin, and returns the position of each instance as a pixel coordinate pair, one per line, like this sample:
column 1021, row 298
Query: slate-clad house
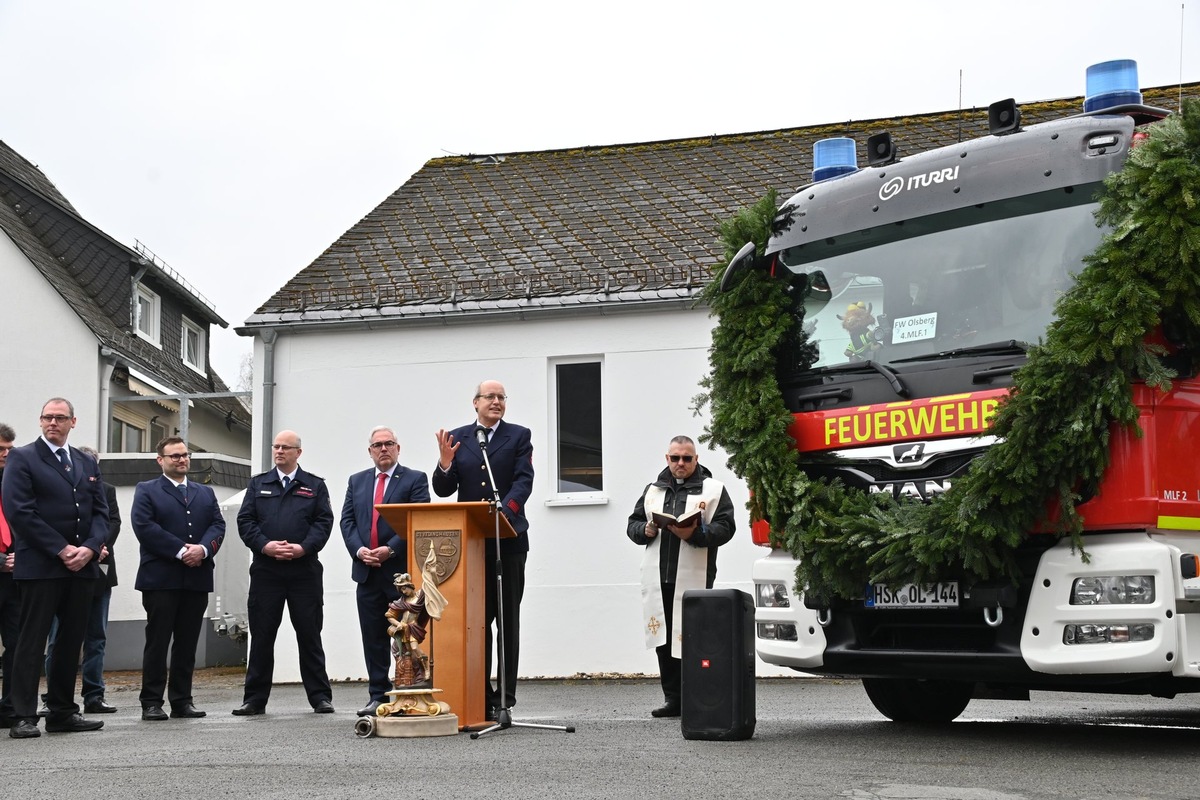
column 124, row 337
column 571, row 276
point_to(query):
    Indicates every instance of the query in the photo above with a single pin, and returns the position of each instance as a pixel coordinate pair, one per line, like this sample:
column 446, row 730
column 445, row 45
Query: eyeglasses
column 284, row 447
column 59, row 418
column 389, row 444
column 176, row 456
column 492, row 396
column 684, row 459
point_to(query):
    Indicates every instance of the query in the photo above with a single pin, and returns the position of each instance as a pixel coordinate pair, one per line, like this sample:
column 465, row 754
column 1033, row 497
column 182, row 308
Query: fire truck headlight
column 779, row 631
column 772, row 595
column 1108, row 633
column 1113, row 590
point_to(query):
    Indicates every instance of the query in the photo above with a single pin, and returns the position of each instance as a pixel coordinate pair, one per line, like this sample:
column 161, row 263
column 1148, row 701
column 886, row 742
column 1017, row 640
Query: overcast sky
column 238, row 140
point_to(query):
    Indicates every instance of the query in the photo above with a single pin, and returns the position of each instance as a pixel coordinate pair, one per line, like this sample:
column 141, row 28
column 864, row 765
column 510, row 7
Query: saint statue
column 408, row 618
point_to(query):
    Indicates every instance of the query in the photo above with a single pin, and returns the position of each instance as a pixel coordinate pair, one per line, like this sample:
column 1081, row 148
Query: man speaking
column 460, row 468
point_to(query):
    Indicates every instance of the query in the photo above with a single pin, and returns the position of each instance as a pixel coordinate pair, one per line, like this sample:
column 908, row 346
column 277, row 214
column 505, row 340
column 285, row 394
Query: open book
column 686, row 521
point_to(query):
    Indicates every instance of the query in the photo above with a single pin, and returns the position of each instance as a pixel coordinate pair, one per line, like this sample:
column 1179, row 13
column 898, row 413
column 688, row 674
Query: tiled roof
column 566, row 227
column 93, row 274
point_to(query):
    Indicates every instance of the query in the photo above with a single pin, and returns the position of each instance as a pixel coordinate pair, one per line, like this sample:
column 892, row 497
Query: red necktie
column 375, row 512
column 5, row 533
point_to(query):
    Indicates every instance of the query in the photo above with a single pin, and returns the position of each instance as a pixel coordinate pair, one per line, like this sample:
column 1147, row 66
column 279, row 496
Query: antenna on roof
column 1182, row 7
column 960, row 108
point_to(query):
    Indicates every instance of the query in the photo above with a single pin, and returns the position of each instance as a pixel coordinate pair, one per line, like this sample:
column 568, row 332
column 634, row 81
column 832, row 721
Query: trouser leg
column 372, row 598
column 95, row 639
column 188, row 623
column 670, row 670
column 74, row 599
column 264, row 612
column 512, row 592
column 160, row 605
column 306, row 608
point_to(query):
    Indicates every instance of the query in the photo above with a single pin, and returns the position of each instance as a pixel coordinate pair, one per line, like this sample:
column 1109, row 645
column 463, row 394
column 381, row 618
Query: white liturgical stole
column 691, row 572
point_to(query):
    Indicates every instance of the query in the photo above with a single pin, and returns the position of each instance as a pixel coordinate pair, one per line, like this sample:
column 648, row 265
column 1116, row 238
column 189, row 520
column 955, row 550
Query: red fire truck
column 956, row 256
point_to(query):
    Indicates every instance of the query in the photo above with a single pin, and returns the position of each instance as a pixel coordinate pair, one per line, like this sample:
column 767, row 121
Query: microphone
column 481, row 436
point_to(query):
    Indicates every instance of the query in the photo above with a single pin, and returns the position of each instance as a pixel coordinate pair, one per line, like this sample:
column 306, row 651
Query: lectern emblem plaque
column 447, row 545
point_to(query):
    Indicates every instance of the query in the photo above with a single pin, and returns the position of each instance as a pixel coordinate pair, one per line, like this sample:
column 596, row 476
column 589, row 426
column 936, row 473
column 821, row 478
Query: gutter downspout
column 268, row 397
column 108, row 364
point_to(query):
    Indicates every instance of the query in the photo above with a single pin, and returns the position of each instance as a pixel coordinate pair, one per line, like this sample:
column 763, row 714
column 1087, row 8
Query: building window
column 124, row 437
column 157, row 434
column 579, row 444
column 148, row 311
column 192, row 345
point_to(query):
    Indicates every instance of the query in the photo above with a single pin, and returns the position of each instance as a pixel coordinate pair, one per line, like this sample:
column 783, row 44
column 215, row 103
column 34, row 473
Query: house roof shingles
column 623, row 221
column 93, row 273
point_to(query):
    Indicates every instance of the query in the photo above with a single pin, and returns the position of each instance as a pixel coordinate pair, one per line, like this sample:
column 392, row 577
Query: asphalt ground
column 815, row 738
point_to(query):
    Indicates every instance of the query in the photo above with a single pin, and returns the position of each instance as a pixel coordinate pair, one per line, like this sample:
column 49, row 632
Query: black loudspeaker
column 718, row 665
column 1004, row 117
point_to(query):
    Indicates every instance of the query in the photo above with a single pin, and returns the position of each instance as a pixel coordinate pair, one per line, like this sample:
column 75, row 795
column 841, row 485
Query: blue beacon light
column 833, row 158
column 1112, row 83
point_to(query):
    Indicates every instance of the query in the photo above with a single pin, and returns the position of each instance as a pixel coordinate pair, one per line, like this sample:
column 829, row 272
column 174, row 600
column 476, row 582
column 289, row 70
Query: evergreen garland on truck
column 1055, row 426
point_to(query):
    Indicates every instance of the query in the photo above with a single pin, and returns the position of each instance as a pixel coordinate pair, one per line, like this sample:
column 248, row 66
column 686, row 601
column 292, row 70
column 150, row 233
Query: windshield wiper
column 874, row 366
column 1009, row 348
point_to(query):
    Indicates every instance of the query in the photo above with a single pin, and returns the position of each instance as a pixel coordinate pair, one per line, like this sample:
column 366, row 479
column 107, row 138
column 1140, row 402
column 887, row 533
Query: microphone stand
column 504, row 719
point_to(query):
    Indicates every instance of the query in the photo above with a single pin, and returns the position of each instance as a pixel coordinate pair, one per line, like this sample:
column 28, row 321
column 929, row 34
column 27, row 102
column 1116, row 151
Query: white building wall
column 582, row 602
column 48, row 352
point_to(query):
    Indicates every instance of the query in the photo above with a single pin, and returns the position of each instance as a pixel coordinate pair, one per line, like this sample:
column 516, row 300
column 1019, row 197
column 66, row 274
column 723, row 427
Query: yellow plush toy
column 858, row 321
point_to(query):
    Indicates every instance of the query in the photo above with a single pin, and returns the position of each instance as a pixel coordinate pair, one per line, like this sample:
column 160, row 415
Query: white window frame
column 582, row 496
column 148, row 326
column 191, row 327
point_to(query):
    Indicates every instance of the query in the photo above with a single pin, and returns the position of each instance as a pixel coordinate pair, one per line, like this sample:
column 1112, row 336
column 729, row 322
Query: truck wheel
column 912, row 700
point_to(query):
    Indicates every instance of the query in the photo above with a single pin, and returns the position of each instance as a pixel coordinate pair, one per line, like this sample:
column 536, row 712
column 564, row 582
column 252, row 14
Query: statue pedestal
column 411, row 713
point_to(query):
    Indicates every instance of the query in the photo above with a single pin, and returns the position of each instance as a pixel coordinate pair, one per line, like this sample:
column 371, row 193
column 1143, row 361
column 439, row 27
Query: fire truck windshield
column 946, row 282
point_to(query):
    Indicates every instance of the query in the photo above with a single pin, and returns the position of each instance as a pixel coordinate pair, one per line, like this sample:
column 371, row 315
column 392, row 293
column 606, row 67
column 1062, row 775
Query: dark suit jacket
column 109, row 577
column 49, row 508
column 302, row 515
column 164, row 524
column 511, row 455
column 406, row 486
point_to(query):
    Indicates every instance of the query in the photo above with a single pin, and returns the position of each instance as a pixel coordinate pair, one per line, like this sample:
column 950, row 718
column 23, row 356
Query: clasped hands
column 283, row 551
column 376, row 557
column 75, row 558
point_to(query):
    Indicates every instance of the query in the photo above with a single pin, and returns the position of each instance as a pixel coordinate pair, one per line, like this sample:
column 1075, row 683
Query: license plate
column 911, row 595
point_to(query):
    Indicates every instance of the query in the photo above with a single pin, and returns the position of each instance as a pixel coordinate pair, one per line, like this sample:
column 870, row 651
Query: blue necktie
column 286, row 482
column 183, row 491
column 64, row 458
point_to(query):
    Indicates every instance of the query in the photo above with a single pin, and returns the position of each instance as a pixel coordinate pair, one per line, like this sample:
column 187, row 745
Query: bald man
column 285, row 520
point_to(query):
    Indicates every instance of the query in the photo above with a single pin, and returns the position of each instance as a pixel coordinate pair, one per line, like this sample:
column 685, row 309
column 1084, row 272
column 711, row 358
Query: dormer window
column 149, row 311
column 192, row 345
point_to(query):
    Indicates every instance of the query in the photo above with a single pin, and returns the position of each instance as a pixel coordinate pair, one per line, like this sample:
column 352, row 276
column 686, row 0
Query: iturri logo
column 891, row 188
column 911, row 453
column 897, row 184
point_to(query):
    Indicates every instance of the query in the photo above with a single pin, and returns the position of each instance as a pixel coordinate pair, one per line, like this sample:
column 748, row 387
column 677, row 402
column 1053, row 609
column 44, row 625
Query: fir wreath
column 1054, row 427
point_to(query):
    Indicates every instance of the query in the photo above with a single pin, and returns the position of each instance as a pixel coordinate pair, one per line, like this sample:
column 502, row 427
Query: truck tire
column 913, row 700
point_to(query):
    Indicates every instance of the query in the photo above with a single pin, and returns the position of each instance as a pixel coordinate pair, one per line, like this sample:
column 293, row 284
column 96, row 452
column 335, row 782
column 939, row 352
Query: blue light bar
column 834, row 157
column 1112, row 83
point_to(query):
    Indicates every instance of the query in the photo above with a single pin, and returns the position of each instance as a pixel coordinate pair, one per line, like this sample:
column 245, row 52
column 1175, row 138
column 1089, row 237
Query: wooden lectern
column 456, row 532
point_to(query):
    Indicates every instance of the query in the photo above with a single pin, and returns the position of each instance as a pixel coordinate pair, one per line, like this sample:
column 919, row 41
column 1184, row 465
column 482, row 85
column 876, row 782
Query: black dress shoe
column 369, row 709
column 153, row 713
column 44, row 710
column 666, row 710
column 248, row 710
column 98, row 706
column 323, row 707
column 73, row 724
column 187, row 711
column 24, row 729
